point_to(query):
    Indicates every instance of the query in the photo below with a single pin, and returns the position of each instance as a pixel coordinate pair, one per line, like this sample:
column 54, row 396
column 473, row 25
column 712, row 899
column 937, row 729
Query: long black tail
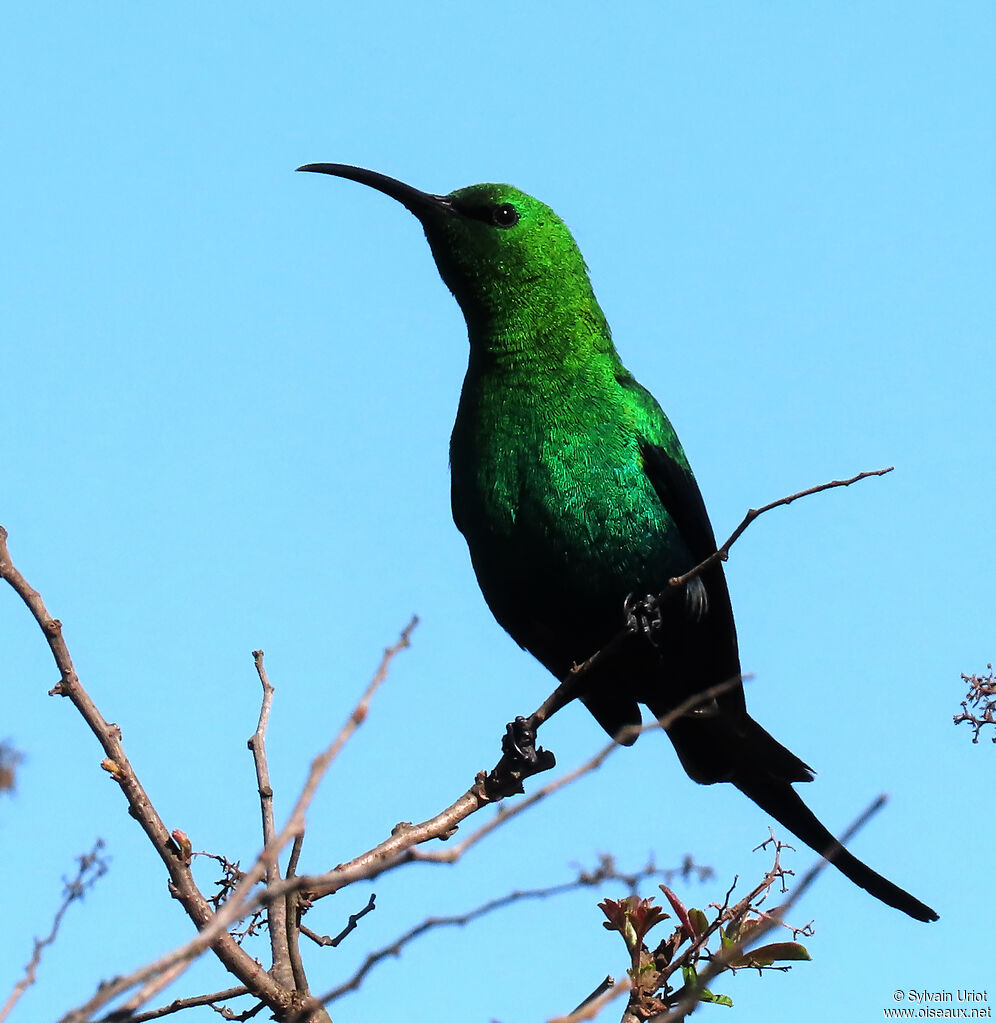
column 780, row 800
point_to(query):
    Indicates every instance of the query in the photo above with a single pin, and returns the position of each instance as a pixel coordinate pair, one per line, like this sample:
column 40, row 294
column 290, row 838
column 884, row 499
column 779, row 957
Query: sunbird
column 574, row 494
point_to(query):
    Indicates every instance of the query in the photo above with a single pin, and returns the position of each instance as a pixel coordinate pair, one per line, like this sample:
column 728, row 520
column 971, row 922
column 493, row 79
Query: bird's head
column 498, row 249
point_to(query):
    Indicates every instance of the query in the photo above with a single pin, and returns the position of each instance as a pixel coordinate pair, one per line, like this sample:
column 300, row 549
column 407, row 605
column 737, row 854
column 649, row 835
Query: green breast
column 549, row 490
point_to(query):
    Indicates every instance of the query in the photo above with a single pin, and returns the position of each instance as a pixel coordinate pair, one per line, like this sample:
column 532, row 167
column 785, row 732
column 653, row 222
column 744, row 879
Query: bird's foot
column 643, row 616
column 521, row 758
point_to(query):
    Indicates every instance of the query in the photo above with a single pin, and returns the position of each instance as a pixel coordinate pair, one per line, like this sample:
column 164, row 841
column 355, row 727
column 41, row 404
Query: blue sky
column 225, row 402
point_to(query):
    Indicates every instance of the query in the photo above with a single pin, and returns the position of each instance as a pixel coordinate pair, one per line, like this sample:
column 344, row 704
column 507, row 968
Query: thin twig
column 92, row 866
column 729, row 954
column 636, row 1008
column 354, row 918
column 606, row 872
column 605, row 985
column 156, row 983
column 591, row 1007
column 178, row 1005
column 723, row 552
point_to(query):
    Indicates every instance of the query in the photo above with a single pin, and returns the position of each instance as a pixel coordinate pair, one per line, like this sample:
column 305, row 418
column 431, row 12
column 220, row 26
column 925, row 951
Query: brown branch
column 177, row 1005
column 241, row 901
column 293, row 904
column 394, row 851
column 592, row 1006
column 723, row 552
column 503, row 816
column 354, row 918
column 606, row 985
column 149, row 990
column 605, row 872
column 92, row 866
column 399, row 849
column 277, row 923
column 140, row 806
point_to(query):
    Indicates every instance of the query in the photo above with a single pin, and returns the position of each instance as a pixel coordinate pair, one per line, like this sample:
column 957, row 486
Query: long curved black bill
column 412, row 199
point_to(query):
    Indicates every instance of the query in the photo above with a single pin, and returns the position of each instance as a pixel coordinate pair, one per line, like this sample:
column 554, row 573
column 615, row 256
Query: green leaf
column 708, row 996
column 691, row 979
column 700, row 922
column 776, row 952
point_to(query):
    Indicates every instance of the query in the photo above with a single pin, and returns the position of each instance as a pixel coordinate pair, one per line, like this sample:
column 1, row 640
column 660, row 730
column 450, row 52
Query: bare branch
column 354, row 918
column 91, row 867
column 257, row 746
column 605, row 985
column 359, row 714
column 723, row 552
column 592, row 1006
column 400, row 847
column 177, row 1005
column 605, row 872
column 293, row 904
column 140, row 806
column 503, row 816
column 280, row 937
column 240, row 902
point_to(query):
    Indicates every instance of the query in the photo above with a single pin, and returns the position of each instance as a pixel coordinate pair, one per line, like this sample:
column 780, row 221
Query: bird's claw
column 521, row 758
column 643, row 615
column 519, row 740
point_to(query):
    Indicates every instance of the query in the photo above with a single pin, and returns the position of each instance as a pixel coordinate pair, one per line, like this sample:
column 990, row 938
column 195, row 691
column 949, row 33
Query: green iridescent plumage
column 573, row 493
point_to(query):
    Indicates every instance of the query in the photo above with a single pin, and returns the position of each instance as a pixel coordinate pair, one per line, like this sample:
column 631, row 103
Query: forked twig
column 241, row 901
column 723, row 552
column 178, row 1005
column 92, row 866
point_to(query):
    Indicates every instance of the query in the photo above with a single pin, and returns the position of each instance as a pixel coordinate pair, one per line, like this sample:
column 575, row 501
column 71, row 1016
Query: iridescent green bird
column 573, row 493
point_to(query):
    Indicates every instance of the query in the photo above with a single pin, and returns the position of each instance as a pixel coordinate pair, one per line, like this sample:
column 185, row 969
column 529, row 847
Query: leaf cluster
column 667, row 976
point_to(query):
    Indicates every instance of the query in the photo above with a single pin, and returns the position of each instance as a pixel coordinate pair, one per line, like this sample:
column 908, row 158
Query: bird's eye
column 504, row 215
